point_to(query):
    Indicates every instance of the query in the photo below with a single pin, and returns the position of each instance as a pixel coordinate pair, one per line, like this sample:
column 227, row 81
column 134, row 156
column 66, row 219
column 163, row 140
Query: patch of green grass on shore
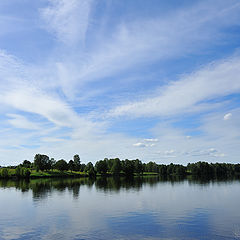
column 48, row 174
column 56, row 173
column 150, row 173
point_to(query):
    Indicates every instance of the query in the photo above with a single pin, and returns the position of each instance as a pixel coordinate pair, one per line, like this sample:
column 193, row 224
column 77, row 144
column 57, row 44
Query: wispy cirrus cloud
column 185, row 31
column 125, row 47
column 68, row 19
column 72, row 99
column 216, row 80
column 211, row 152
column 22, row 122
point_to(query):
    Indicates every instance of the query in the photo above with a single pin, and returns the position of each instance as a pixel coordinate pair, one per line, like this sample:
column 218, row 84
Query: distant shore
column 63, row 174
column 45, row 167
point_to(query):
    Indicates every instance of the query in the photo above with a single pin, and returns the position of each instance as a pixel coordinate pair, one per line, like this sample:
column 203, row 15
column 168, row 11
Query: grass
column 59, row 174
column 150, row 173
column 56, row 173
column 48, row 174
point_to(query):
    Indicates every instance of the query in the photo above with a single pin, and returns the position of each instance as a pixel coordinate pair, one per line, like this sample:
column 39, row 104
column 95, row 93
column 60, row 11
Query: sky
column 153, row 80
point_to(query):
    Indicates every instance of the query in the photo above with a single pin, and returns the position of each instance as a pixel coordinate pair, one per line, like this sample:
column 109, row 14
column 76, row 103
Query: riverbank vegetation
column 43, row 166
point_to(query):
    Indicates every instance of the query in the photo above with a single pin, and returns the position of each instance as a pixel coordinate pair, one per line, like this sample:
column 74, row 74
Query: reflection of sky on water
column 139, row 224
column 193, row 226
column 79, row 210
column 196, row 225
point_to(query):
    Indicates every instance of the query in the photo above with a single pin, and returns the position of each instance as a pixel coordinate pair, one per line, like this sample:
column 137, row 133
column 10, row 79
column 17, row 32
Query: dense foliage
column 120, row 167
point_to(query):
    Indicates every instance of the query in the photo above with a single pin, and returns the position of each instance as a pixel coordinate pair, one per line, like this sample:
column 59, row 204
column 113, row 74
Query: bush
column 22, row 172
column 4, row 173
column 18, row 171
column 25, row 173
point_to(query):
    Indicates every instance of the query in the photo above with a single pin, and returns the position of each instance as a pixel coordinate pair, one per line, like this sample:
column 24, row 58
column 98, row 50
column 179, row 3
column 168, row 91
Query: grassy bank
column 56, row 173
column 11, row 173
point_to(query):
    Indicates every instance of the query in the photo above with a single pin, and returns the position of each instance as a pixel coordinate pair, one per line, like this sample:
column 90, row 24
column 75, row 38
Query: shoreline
column 49, row 174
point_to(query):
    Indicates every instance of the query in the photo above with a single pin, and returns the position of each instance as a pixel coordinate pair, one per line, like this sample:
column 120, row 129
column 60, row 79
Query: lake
column 107, row 208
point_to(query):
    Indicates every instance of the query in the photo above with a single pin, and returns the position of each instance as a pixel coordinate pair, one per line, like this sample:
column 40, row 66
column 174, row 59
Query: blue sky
column 152, row 80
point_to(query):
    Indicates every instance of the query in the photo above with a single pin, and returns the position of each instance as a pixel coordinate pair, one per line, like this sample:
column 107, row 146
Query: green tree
column 101, row 167
column 163, row 170
column 71, row 165
column 89, row 168
column 61, row 165
column 109, row 164
column 18, row 171
column 170, row 169
column 91, row 173
column 22, row 172
column 138, row 167
column 151, row 167
column 26, row 164
column 128, row 167
column 25, row 173
column 4, row 173
column 116, row 167
column 41, row 162
column 82, row 167
column 52, row 163
column 77, row 162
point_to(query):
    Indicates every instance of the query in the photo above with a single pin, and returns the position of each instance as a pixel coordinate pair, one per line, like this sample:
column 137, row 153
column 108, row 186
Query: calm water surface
column 147, row 208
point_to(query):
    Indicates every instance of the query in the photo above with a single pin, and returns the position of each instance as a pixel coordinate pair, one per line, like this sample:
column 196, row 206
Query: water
column 147, row 208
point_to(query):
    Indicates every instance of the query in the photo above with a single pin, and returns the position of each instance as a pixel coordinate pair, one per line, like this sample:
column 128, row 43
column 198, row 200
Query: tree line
column 123, row 167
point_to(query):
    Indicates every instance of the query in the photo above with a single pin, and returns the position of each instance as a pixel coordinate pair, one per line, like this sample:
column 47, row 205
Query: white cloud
column 227, row 116
column 184, row 31
column 19, row 121
column 68, row 19
column 30, row 89
column 139, row 144
column 144, row 145
column 213, row 125
column 212, row 140
column 211, row 152
column 166, row 154
column 189, row 92
column 30, row 100
column 169, row 152
column 11, row 69
column 219, row 155
column 37, row 90
column 152, row 145
column 27, row 96
column 151, row 140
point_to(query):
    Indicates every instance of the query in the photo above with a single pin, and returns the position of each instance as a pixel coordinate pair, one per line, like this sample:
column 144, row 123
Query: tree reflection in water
column 43, row 188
